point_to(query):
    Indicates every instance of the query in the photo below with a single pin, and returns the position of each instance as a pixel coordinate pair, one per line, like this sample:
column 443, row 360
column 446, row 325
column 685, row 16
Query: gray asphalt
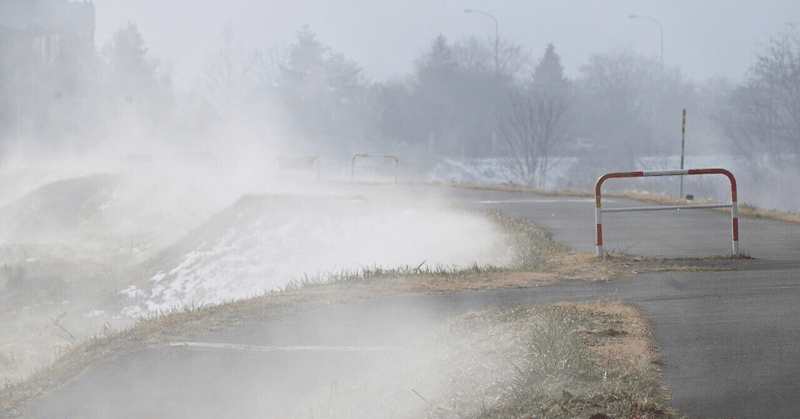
column 730, row 339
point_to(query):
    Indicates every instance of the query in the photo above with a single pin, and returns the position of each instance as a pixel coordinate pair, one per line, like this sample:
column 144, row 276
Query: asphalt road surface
column 730, row 339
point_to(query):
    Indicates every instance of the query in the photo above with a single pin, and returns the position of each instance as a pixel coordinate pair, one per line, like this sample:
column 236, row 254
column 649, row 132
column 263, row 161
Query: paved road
column 730, row 339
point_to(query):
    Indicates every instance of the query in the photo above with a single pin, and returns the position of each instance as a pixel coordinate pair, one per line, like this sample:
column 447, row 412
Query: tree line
column 459, row 101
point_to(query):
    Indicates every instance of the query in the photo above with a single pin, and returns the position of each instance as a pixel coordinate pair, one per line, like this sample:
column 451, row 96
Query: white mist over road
column 87, row 252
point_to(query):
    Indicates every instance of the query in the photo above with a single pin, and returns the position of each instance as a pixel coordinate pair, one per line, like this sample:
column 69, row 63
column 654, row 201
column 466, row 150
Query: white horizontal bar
column 253, row 348
column 665, row 208
column 664, row 172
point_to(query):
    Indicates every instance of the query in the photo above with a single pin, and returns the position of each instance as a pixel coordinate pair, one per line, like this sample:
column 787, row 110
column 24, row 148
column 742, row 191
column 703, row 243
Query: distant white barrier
column 367, row 156
column 598, row 211
column 299, row 163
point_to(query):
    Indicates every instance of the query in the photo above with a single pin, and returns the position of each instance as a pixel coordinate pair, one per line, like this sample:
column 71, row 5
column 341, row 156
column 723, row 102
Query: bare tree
column 535, row 127
column 532, row 130
column 230, row 72
column 620, row 91
column 762, row 116
column 476, row 55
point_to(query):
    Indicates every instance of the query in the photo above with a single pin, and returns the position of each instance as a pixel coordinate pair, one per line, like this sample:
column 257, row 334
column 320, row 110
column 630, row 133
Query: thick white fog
column 268, row 243
column 85, row 252
column 162, row 154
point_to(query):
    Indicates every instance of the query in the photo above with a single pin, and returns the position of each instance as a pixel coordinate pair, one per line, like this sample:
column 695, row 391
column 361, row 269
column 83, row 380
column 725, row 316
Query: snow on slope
column 263, row 242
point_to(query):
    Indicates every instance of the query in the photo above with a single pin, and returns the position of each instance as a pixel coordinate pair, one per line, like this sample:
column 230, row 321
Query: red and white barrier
column 598, row 211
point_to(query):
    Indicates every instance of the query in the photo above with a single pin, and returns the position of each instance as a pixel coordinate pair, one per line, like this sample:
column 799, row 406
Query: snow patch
column 266, row 251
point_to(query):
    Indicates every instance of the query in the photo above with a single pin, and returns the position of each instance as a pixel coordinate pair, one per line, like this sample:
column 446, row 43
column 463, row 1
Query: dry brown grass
column 621, row 342
column 749, row 210
column 608, row 366
column 559, row 267
column 745, row 209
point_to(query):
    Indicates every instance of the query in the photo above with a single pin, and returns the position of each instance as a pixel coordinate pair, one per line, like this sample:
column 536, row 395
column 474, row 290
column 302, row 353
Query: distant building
column 46, row 64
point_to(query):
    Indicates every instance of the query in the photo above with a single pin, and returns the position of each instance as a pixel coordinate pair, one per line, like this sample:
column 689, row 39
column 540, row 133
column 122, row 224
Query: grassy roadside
column 543, row 361
column 745, row 209
column 541, row 261
column 595, row 360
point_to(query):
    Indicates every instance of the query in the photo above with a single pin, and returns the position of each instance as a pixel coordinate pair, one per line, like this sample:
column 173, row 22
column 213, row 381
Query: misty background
column 553, row 95
column 130, row 130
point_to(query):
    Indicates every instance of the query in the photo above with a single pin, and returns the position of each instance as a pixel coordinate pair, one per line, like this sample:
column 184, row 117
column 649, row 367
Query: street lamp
column 661, row 29
column 496, row 39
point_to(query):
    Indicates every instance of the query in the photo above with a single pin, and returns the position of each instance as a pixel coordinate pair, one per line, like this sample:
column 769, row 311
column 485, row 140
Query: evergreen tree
column 322, row 91
column 435, row 99
column 438, row 65
column 455, row 94
column 548, row 76
column 137, row 90
column 131, row 70
column 306, row 64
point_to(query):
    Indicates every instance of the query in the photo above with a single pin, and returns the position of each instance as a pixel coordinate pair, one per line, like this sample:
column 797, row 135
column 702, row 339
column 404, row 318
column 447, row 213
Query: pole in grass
column 683, row 146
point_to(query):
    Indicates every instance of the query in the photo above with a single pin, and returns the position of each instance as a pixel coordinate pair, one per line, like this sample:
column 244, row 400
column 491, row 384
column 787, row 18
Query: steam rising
column 87, row 251
column 264, row 242
column 127, row 190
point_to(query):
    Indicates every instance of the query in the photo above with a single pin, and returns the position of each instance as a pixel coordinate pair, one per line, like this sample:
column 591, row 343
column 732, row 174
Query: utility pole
column 683, row 146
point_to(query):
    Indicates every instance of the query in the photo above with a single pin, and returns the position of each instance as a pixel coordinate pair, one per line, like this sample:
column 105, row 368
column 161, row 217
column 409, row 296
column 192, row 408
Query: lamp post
column 661, row 30
column 496, row 39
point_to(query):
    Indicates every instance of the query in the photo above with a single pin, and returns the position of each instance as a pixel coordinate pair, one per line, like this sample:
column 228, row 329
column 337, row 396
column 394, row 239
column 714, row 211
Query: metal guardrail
column 368, row 156
column 598, row 212
column 299, row 163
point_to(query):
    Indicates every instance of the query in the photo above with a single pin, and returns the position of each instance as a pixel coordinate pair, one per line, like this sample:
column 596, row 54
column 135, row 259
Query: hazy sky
column 703, row 37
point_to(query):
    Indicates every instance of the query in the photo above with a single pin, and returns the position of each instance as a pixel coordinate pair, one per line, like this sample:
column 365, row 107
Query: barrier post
column 598, row 214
